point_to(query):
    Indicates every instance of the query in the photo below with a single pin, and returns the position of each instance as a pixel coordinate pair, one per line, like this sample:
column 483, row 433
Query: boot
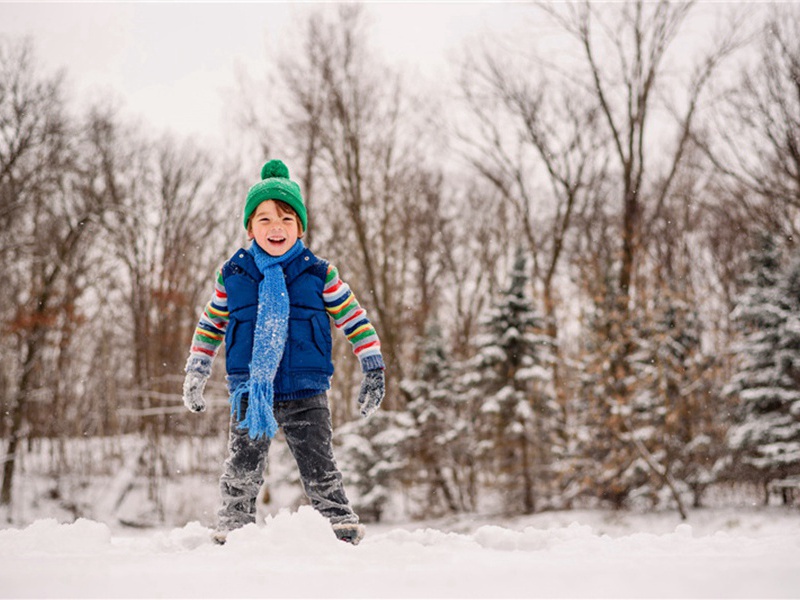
column 219, row 537
column 352, row 533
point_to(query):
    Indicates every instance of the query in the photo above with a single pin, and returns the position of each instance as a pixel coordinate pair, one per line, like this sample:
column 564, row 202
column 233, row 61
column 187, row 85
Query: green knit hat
column 275, row 185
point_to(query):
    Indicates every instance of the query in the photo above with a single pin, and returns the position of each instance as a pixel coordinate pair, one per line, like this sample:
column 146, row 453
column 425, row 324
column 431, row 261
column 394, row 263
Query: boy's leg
column 241, row 478
column 307, row 427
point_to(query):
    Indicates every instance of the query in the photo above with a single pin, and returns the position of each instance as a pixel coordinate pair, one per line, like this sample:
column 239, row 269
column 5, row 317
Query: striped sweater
column 340, row 303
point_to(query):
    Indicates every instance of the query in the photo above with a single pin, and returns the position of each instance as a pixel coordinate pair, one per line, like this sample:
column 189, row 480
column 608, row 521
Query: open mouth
column 276, row 239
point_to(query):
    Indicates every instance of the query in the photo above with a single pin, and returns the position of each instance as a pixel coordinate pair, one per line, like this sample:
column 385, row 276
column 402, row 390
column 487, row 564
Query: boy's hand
column 198, row 370
column 373, row 388
column 193, row 386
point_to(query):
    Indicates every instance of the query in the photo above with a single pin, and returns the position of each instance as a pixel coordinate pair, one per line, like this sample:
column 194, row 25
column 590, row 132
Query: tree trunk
column 528, row 498
column 17, row 413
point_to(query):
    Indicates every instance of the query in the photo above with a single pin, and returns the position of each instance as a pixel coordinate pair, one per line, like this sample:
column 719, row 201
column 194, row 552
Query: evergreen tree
column 441, row 449
column 512, row 384
column 605, row 465
column 374, row 452
column 673, row 426
column 649, row 422
column 766, row 437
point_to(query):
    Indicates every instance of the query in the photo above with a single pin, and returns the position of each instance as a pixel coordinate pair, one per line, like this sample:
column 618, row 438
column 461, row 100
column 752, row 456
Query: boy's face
column 273, row 229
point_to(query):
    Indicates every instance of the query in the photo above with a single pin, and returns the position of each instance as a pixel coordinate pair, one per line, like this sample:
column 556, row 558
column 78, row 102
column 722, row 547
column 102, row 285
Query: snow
column 731, row 553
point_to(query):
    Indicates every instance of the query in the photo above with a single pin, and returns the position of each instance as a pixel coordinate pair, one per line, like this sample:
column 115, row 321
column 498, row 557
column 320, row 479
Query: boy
column 271, row 305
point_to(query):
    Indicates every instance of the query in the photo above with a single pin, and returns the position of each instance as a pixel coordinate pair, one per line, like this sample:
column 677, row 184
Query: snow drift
column 296, row 555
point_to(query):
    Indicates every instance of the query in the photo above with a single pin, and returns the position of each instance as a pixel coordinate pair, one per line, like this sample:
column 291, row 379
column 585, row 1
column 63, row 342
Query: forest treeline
column 582, row 265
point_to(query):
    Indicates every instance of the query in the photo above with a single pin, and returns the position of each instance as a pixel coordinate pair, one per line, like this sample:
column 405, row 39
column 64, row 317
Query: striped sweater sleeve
column 350, row 318
column 210, row 331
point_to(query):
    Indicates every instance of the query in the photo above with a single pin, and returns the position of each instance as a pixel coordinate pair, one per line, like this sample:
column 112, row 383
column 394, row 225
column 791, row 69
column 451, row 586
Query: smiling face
column 275, row 227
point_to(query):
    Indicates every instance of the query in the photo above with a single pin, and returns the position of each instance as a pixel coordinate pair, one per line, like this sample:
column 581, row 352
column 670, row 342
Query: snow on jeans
column 306, row 425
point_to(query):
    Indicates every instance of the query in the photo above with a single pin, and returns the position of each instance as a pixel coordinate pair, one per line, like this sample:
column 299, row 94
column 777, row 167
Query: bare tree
column 527, row 131
column 165, row 235
column 361, row 153
column 168, row 235
column 639, row 36
column 753, row 141
column 626, row 57
column 45, row 225
column 346, row 119
column 539, row 144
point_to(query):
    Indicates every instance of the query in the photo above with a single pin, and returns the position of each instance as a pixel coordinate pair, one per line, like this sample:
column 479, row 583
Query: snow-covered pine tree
column 657, row 369
column 674, row 423
column 648, row 424
column 604, row 466
column 373, row 455
column 510, row 379
column 440, row 454
column 765, row 439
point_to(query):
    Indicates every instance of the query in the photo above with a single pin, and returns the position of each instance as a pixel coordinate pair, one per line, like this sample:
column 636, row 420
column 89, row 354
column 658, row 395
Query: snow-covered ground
column 735, row 549
column 720, row 553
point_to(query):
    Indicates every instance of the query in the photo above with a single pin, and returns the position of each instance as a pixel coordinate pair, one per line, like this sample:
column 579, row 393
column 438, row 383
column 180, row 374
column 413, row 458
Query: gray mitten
column 373, row 388
column 198, row 370
column 193, row 386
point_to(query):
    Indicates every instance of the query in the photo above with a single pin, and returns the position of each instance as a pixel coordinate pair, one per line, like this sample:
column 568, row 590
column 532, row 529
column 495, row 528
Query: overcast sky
column 174, row 63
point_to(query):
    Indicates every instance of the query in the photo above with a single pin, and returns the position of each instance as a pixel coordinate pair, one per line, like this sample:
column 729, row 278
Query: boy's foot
column 352, row 533
column 219, row 537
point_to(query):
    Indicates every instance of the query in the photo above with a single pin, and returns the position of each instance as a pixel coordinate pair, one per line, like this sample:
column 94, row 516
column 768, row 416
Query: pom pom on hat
column 274, row 168
column 275, row 184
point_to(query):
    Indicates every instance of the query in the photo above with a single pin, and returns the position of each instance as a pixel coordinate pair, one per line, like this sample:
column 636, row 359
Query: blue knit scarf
column 269, row 340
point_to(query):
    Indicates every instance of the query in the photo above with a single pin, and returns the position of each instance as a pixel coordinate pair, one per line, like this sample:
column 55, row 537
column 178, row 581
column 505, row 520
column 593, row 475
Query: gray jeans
column 306, row 425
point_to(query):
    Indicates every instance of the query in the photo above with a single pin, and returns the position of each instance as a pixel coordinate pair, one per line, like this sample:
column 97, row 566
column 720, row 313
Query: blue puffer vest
column 306, row 367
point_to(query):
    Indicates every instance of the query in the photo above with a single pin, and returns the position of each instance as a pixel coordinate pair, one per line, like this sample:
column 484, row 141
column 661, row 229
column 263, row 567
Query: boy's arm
column 207, row 339
column 351, row 319
column 210, row 331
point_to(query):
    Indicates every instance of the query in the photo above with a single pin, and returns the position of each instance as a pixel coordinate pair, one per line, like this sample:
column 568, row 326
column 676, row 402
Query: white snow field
column 719, row 553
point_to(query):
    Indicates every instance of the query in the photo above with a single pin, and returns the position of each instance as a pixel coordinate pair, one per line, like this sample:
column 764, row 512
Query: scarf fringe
column 236, row 399
column 259, row 418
